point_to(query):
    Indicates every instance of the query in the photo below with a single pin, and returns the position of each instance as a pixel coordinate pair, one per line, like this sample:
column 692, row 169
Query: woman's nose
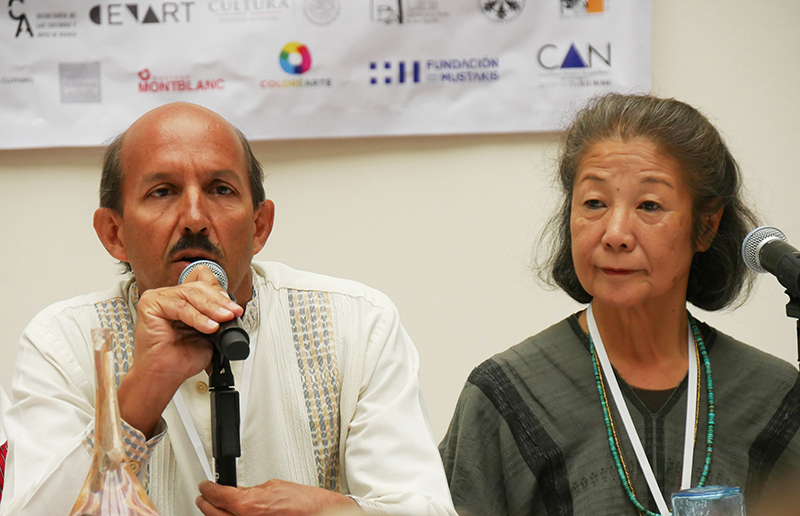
column 618, row 233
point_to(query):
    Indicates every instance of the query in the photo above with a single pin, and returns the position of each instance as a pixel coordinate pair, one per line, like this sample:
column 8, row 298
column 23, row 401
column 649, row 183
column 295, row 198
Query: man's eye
column 223, row 190
column 650, row 206
column 160, row 192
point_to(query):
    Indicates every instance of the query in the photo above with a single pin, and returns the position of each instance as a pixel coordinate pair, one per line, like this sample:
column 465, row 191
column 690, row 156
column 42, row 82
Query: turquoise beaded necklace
column 616, row 452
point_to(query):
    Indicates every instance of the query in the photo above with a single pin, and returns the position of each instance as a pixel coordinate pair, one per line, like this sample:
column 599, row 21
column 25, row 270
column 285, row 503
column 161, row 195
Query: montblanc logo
column 120, row 14
column 502, row 10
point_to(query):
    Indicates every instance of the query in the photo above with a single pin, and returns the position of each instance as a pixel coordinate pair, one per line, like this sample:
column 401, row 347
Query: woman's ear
column 710, row 227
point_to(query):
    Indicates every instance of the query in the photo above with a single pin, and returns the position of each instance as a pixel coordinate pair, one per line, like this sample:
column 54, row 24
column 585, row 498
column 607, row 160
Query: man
column 329, row 395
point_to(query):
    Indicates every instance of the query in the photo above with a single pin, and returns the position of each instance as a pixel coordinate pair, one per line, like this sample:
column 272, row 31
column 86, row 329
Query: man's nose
column 618, row 232
column 194, row 213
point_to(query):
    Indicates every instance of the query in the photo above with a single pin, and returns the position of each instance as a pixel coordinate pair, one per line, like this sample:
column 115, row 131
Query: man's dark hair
column 717, row 276
column 111, row 180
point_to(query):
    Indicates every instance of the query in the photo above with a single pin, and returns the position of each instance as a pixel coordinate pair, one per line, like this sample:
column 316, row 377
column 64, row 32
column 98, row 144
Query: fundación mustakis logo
column 448, row 70
column 149, row 83
column 120, row 14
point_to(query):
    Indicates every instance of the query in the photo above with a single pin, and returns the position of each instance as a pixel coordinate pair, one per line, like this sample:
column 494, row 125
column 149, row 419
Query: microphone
column 765, row 249
column 230, row 338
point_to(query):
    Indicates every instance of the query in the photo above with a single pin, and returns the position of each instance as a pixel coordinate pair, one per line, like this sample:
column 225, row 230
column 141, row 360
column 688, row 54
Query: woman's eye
column 650, row 206
column 593, row 204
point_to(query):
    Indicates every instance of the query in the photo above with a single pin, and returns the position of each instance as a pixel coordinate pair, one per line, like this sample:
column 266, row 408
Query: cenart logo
column 119, row 14
column 502, row 10
column 22, row 19
column 295, row 58
column 400, row 71
column 552, row 57
column 149, row 83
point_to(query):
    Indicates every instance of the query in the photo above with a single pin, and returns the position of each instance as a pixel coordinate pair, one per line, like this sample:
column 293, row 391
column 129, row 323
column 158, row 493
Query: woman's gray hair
column 718, row 277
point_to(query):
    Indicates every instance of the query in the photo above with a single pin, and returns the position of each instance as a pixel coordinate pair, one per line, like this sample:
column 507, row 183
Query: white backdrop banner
column 77, row 73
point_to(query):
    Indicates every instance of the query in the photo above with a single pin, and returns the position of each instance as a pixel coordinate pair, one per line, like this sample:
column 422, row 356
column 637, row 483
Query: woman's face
column 631, row 225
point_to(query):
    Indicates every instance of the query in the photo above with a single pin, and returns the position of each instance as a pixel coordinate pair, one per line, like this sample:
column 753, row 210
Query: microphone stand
column 793, row 310
column 224, row 419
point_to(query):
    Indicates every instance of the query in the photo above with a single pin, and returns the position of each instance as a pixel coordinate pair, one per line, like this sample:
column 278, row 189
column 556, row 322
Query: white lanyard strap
column 191, row 429
column 630, row 429
column 188, row 424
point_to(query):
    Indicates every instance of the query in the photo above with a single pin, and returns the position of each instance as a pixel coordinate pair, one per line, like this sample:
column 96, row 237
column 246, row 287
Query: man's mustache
column 195, row 241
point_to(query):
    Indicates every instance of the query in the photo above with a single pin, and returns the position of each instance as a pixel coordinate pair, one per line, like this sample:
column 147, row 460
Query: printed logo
column 576, row 65
column 295, row 58
column 80, row 82
column 440, row 71
column 15, row 80
column 120, row 14
column 551, row 57
column 23, row 25
column 322, row 12
column 245, row 10
column 45, row 24
column 485, row 69
column 502, row 10
column 399, row 71
column 581, row 7
column 406, row 11
column 149, row 83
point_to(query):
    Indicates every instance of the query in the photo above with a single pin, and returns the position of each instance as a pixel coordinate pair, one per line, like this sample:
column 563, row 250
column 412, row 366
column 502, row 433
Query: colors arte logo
column 402, row 72
column 502, row 10
column 119, row 14
column 149, row 83
column 295, row 58
column 22, row 19
column 552, row 57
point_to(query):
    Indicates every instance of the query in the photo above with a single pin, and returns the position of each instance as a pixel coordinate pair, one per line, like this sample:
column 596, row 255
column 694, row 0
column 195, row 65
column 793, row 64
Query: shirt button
column 202, row 387
column 134, row 466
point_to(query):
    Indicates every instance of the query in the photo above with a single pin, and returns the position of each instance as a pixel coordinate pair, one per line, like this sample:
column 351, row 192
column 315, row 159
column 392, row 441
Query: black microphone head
column 214, row 267
column 754, row 241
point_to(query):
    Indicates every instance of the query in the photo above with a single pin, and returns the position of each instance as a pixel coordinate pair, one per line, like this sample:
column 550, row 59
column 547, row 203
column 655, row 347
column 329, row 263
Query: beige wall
column 445, row 225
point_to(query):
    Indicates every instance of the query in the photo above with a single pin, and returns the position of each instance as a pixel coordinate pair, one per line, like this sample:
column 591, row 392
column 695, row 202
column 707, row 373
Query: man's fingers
column 208, row 509
column 222, row 497
column 199, row 306
column 203, row 274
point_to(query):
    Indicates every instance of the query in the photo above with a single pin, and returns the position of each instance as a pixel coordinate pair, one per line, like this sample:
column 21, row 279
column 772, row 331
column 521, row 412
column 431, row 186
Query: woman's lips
column 616, row 272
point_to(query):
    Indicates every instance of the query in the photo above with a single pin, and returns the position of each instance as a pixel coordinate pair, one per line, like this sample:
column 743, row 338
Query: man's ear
column 263, row 217
column 108, row 226
column 710, row 227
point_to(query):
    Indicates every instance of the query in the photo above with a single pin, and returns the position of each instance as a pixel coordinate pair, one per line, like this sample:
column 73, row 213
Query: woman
column 651, row 219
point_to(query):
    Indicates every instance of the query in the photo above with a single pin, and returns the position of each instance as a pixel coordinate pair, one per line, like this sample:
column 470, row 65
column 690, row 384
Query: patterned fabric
column 115, row 314
column 3, row 451
column 312, row 333
column 528, row 434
